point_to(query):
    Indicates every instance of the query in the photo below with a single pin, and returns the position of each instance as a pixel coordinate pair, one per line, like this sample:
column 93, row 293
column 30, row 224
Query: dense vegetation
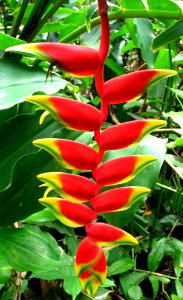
column 36, row 250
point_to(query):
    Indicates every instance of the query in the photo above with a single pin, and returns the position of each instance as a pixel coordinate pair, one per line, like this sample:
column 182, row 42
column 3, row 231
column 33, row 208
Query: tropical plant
column 114, row 154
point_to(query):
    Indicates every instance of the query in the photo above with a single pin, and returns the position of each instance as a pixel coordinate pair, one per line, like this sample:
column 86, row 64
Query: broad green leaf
column 179, row 288
column 165, row 5
column 135, row 292
column 29, row 249
column 72, row 243
column 116, row 254
column 177, row 117
column 120, row 266
column 156, row 255
column 42, row 216
column 17, row 81
column 21, row 199
column 126, row 280
column 7, row 41
column 131, row 5
column 147, row 178
column 64, row 270
column 17, row 135
column 169, row 35
column 144, row 37
column 155, row 285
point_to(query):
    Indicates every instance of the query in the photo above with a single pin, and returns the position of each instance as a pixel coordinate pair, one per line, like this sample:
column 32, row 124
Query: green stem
column 15, row 28
column 45, row 19
column 4, row 17
column 168, row 98
column 119, row 15
column 34, row 19
column 156, row 274
column 157, row 212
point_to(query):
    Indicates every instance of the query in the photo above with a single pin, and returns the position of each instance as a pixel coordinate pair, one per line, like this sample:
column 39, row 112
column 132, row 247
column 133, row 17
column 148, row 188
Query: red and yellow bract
column 75, row 188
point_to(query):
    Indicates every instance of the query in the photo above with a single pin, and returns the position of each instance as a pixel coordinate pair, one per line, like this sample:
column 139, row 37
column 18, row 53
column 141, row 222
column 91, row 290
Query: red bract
column 70, row 113
column 96, row 275
column 121, row 169
column 107, row 235
column 70, row 154
column 75, row 188
column 71, row 214
column 127, row 134
column 87, row 256
column 131, row 86
column 118, row 199
column 73, row 59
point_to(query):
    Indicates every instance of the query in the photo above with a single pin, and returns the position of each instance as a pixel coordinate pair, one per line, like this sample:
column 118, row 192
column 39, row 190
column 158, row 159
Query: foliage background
column 36, row 251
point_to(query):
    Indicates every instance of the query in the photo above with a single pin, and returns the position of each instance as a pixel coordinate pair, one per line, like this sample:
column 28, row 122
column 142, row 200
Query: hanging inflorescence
column 75, row 190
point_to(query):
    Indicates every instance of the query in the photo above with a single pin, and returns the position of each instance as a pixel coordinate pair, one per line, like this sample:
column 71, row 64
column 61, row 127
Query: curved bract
column 70, row 113
column 131, row 86
column 73, row 59
column 74, row 188
column 71, row 155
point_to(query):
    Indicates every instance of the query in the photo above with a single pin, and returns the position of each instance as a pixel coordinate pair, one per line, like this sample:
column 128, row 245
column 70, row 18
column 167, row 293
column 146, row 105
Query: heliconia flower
column 94, row 276
column 73, row 59
column 118, row 199
column 127, row 134
column 108, row 235
column 68, row 112
column 88, row 255
column 73, row 187
column 70, row 154
column 131, row 86
column 70, row 214
column 120, row 170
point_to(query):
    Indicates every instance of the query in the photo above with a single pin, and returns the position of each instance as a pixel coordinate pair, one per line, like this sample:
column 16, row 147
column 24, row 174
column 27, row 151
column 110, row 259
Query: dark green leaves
column 29, row 249
column 17, row 81
column 170, row 34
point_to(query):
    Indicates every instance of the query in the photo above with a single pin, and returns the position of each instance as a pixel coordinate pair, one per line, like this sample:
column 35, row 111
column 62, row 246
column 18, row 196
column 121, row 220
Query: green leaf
column 135, row 292
column 179, row 288
column 169, row 35
column 8, row 41
column 120, row 266
column 155, row 285
column 144, row 37
column 17, row 135
column 64, row 270
column 156, row 255
column 21, row 199
column 17, row 81
column 177, row 117
column 165, row 5
column 126, row 280
column 29, row 249
column 42, row 216
column 131, row 5
column 147, row 178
